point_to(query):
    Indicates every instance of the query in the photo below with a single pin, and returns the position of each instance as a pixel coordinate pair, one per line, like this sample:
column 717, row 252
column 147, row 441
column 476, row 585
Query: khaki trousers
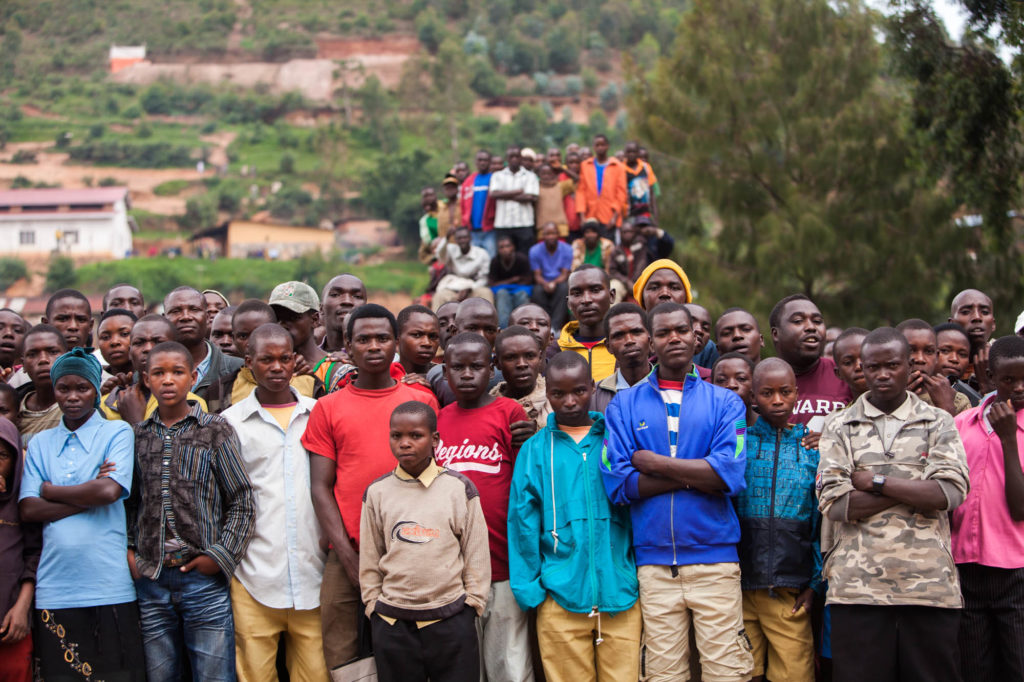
column 774, row 630
column 341, row 608
column 257, row 631
column 568, row 650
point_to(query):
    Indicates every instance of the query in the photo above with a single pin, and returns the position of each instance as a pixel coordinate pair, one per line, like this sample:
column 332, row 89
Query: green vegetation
column 171, row 188
column 11, row 270
column 60, row 274
column 244, row 277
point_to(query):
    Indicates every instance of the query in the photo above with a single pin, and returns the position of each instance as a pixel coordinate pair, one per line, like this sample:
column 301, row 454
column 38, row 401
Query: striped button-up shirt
column 509, row 212
column 190, row 477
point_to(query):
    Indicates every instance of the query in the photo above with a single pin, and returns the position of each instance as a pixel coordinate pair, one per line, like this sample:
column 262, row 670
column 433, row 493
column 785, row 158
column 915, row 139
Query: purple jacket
column 20, row 543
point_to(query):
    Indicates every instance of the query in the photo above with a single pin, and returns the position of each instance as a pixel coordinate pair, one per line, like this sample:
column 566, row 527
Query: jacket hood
column 662, row 264
column 9, row 435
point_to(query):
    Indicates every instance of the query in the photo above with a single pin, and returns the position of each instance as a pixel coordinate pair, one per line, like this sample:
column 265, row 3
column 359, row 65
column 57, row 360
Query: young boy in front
column 276, row 587
column 193, row 517
column 423, row 565
column 576, row 568
column 780, row 558
column 476, row 439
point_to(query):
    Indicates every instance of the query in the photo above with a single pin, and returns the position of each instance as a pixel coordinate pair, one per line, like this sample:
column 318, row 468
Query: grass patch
column 170, row 188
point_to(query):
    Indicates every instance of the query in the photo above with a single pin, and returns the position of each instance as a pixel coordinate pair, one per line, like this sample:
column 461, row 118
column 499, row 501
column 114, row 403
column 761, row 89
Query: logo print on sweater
column 414, row 533
column 468, row 457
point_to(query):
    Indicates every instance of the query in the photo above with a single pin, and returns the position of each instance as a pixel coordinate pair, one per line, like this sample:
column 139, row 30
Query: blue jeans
column 507, row 299
column 189, row 609
column 486, row 240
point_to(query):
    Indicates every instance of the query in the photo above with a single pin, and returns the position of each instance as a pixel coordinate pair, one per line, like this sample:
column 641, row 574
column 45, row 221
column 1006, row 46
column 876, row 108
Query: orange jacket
column 612, row 198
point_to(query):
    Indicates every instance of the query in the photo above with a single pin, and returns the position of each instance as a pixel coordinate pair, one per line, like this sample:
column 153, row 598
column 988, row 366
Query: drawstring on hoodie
column 594, row 612
column 554, row 506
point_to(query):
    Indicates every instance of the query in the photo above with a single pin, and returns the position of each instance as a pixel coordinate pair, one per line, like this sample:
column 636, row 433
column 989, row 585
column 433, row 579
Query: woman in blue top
column 75, row 480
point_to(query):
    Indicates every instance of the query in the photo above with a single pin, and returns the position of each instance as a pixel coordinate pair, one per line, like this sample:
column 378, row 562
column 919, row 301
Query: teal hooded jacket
column 565, row 536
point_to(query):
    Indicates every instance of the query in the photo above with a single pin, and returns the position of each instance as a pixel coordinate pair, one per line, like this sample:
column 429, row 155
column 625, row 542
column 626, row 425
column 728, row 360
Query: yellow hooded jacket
column 602, row 362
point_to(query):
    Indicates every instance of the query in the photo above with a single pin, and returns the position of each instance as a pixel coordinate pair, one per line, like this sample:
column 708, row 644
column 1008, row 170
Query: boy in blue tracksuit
column 780, row 556
column 569, row 547
column 674, row 452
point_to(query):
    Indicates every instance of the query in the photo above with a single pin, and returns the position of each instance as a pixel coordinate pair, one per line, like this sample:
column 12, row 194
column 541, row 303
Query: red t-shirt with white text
column 478, row 444
column 819, row 392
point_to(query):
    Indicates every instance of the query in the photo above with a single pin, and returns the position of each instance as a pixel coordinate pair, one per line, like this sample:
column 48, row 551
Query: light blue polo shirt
column 85, row 556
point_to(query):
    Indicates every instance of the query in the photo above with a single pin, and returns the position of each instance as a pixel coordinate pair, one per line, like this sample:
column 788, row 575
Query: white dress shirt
column 283, row 566
column 508, row 212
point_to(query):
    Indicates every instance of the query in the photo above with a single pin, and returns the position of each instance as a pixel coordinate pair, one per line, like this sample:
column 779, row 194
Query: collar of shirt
column 203, row 367
column 194, row 412
column 251, row 406
column 901, row 413
column 85, row 434
column 426, row 476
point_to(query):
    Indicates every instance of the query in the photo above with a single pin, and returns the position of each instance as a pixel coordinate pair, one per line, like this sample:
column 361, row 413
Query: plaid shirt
column 190, row 477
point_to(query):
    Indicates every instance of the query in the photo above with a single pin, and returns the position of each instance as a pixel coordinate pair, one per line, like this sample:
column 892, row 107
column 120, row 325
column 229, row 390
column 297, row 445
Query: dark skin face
column 848, row 365
column 468, row 371
column 372, row 346
column 77, row 399
column 341, row 295
column 506, row 249
column 496, row 164
column 483, row 163
column 738, row 332
column 461, row 171
column 244, row 324
column 534, row 318
column 6, row 464
column 12, row 335
column 114, row 341
column 549, row 235
column 221, row 334
column 628, row 340
column 973, row 311
column 214, row 304
column 479, row 318
column 886, row 371
column 145, row 335
column 546, row 175
column 673, row 341
column 954, row 353
column 428, row 200
column 627, row 233
column 451, row 190
column 924, row 356
column 299, row 325
column 446, row 322
column 128, row 298
column 735, row 375
column 463, row 240
column 40, row 352
column 554, row 157
column 272, row 362
column 9, row 408
column 187, row 312
column 775, row 394
column 701, row 325
column 169, row 376
column 72, row 317
column 589, row 299
column 569, row 391
column 418, row 341
column 519, row 359
column 1008, row 376
column 601, row 149
column 800, row 337
column 590, row 238
column 572, row 162
column 412, row 441
column 664, row 286
column 632, row 152
column 514, row 159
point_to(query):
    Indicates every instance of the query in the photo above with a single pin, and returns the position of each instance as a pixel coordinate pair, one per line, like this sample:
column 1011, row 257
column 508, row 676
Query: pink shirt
column 983, row 532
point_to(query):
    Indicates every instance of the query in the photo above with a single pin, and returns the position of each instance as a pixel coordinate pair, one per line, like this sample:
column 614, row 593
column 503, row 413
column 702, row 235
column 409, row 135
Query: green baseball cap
column 297, row 297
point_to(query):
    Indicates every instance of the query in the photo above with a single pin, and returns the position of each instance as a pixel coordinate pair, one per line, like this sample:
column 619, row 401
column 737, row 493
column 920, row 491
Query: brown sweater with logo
column 423, row 546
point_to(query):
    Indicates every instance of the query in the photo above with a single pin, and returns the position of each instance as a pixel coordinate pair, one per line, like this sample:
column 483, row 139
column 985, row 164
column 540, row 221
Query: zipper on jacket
column 590, row 531
column 672, row 495
column 771, row 508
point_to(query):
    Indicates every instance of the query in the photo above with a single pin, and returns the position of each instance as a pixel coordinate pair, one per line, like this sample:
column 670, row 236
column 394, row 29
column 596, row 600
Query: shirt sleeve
column 476, row 571
column 727, row 455
column 122, row 454
column 620, row 477
column 947, row 461
column 534, row 259
column 524, row 531
column 531, row 185
column 371, row 549
column 835, row 471
column 238, row 506
column 32, row 475
column 319, row 436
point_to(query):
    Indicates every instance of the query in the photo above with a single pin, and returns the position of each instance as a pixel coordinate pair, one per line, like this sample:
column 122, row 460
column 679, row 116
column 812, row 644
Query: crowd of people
column 587, row 483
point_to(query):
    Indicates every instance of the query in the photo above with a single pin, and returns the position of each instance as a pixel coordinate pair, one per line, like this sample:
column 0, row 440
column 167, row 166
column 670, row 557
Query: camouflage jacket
column 536, row 404
column 900, row 556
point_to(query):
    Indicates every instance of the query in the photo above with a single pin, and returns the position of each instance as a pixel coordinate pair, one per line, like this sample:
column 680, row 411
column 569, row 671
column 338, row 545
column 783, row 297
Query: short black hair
column 254, row 305
column 623, row 309
column 370, row 311
column 408, row 311
column 530, row 304
column 512, row 332
column 46, row 329
column 416, row 407
column 170, row 347
column 775, row 316
column 1005, row 348
column 664, row 309
column 468, row 338
column 569, row 359
column 952, row 327
column 11, row 392
column 914, row 324
column 504, row 238
column 153, row 317
column 731, row 355
column 119, row 312
column 600, row 136
column 268, row 330
column 884, row 335
column 845, row 334
column 178, row 290
column 61, row 294
column 591, row 226
column 767, row 364
column 227, row 310
column 584, row 267
column 106, row 296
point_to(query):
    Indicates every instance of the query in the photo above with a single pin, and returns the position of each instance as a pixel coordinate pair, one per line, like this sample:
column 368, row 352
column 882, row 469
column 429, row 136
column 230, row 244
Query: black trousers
column 895, row 644
column 443, row 652
column 992, row 625
column 522, row 237
column 93, row 642
column 555, row 304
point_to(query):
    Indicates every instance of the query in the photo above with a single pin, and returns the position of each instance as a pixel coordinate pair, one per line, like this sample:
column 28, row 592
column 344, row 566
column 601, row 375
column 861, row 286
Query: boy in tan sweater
column 424, row 564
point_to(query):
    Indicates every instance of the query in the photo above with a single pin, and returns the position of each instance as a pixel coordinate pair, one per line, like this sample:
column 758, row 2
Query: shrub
column 60, row 274
column 11, row 270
